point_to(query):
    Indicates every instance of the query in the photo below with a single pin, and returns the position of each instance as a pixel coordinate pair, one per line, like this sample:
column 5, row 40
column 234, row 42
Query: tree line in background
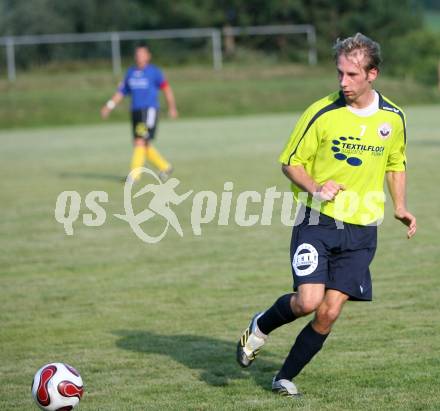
column 409, row 49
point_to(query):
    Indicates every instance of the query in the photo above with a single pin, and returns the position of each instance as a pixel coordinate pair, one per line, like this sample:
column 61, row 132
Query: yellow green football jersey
column 334, row 143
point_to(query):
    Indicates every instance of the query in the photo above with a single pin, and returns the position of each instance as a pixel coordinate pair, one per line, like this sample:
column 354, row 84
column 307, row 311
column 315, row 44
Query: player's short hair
column 142, row 45
column 359, row 42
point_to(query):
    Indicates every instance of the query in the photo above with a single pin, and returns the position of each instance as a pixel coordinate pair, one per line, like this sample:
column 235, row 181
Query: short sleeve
column 161, row 81
column 397, row 158
column 303, row 142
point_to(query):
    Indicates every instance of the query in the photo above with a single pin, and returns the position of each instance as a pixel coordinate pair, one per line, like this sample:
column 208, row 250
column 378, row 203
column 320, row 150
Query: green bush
column 414, row 55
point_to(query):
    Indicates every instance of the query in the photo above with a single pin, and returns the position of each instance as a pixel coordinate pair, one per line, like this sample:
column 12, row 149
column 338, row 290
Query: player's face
column 142, row 56
column 354, row 80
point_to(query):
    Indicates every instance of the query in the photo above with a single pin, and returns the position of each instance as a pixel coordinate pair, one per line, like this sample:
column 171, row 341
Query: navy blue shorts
column 320, row 253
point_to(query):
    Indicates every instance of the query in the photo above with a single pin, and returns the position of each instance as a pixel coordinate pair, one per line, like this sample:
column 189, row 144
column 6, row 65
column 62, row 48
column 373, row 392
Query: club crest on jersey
column 384, row 131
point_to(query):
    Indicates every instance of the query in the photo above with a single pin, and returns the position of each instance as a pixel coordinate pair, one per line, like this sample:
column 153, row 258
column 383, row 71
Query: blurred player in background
column 143, row 82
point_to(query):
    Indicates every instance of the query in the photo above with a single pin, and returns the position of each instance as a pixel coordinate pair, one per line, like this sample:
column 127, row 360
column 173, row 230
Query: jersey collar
column 369, row 110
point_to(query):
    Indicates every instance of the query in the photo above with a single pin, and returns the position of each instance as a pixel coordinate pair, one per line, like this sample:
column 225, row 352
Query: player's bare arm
column 171, row 101
column 111, row 104
column 299, row 176
column 396, row 181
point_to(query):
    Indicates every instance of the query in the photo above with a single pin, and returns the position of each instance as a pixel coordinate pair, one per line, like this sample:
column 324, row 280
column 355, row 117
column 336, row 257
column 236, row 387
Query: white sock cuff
column 257, row 331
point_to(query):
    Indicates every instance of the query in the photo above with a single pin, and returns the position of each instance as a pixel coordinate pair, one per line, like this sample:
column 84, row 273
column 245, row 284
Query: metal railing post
column 217, row 55
column 116, row 53
column 311, row 39
column 10, row 58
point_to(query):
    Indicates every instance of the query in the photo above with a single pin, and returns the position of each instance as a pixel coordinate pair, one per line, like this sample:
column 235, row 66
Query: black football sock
column 307, row 344
column 279, row 314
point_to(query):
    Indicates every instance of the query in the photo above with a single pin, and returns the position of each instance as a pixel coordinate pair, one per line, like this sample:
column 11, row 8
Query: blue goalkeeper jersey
column 143, row 85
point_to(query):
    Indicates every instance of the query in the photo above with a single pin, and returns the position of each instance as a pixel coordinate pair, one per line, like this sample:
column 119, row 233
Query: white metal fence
column 215, row 35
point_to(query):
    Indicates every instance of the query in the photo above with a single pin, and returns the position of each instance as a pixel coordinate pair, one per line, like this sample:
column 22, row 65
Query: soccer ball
column 57, row 387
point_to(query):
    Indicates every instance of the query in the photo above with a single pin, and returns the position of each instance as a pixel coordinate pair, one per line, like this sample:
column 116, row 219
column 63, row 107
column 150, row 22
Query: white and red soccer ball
column 57, row 387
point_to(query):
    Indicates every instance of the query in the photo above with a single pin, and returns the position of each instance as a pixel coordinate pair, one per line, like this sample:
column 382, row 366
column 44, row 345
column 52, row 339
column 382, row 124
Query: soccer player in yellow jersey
column 337, row 158
column 143, row 83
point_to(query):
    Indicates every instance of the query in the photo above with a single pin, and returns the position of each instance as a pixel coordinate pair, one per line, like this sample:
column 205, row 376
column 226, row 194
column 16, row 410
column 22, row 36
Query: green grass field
column 74, row 96
column 154, row 327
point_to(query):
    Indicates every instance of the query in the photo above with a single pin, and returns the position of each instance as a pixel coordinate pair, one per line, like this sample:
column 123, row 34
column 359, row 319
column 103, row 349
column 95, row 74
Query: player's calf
column 254, row 337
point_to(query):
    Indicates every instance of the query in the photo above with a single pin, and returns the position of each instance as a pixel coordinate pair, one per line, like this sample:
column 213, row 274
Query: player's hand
column 329, row 190
column 172, row 113
column 408, row 219
column 105, row 112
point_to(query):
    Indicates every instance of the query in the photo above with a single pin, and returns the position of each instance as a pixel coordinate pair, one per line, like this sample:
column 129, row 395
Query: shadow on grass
column 214, row 358
column 94, row 176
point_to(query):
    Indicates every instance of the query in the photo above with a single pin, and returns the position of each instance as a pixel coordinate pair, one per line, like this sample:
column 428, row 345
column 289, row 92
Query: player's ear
column 372, row 74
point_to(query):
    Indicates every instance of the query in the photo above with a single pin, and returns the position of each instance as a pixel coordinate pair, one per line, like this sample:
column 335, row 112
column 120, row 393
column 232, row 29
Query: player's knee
column 328, row 314
column 139, row 142
column 304, row 306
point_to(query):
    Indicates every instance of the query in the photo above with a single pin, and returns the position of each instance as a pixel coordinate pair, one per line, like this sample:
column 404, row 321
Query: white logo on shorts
column 305, row 260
